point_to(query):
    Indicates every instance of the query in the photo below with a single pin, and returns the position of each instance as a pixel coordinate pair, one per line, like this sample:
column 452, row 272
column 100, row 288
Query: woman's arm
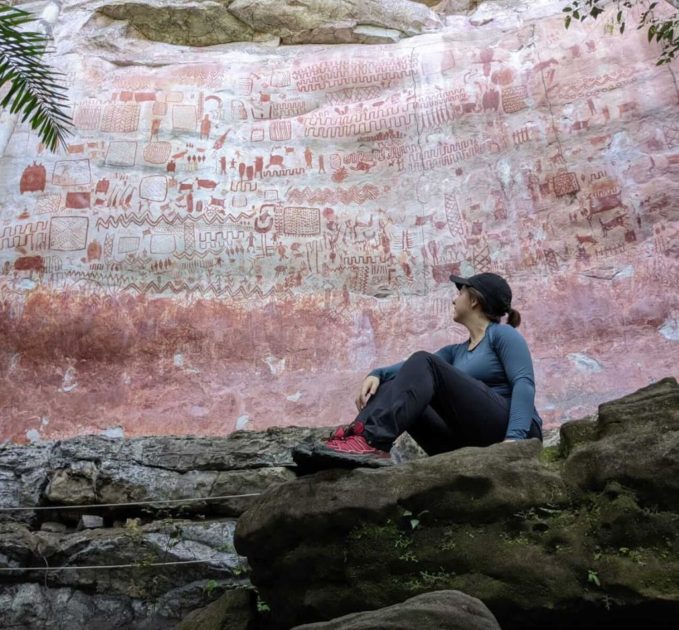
column 389, row 372
column 514, row 354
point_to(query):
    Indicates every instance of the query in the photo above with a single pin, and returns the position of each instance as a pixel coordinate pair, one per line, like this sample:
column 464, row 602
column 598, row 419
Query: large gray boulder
column 23, row 474
column 634, row 442
column 209, row 22
column 149, row 576
column 438, row 610
column 334, row 21
column 201, row 23
column 32, row 605
column 141, row 570
column 95, row 469
column 583, row 533
column 232, row 611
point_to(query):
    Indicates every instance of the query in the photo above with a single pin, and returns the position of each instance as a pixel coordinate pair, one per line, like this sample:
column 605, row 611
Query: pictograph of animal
column 607, row 226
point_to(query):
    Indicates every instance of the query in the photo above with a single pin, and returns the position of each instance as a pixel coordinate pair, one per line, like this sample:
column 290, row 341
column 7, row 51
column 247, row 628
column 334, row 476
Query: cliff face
column 263, row 200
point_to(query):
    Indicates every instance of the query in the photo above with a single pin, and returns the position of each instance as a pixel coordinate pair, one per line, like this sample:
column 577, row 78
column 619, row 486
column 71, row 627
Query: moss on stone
column 550, row 455
column 575, row 433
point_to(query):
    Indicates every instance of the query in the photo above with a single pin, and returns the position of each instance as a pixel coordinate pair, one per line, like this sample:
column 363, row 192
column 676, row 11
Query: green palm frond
column 33, row 85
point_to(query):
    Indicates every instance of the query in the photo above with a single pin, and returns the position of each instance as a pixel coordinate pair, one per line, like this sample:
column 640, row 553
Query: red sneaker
column 354, row 428
column 346, row 448
column 354, row 445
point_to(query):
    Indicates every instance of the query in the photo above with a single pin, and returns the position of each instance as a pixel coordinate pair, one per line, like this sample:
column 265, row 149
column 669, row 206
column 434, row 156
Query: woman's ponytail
column 514, row 318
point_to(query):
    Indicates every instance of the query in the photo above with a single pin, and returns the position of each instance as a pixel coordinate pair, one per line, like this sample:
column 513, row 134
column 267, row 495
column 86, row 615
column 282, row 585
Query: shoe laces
column 342, row 433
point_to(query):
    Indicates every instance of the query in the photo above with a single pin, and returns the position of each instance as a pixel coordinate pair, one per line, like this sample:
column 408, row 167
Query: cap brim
column 459, row 281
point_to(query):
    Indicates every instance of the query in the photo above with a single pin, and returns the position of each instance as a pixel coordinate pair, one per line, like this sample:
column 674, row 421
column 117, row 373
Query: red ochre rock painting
column 235, row 241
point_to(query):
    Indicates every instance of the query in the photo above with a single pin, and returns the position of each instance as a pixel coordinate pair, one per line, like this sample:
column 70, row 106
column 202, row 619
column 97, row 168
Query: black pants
column 441, row 407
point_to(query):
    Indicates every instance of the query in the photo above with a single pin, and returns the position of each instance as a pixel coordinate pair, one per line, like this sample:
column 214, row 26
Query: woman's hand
column 368, row 389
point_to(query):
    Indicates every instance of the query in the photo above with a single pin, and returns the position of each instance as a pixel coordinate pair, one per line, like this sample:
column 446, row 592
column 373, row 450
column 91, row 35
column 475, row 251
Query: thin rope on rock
column 110, row 566
column 128, row 504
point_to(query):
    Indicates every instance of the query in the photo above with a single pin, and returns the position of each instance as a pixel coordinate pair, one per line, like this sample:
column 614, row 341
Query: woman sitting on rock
column 474, row 393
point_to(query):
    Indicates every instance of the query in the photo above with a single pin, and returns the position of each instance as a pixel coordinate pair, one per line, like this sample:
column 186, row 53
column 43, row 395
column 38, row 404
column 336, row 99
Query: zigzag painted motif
column 173, row 219
column 185, row 287
column 325, row 196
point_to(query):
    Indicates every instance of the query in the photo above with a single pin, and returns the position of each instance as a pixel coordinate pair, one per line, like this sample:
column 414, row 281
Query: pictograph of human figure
column 385, row 240
column 155, row 128
column 308, row 157
column 251, row 242
column 205, row 125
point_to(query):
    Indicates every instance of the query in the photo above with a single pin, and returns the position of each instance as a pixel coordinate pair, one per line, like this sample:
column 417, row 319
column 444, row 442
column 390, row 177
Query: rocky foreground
column 177, row 553
column 221, row 533
column 581, row 535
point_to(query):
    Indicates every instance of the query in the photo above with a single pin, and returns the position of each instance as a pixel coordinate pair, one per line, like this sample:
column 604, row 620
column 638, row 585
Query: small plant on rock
column 593, row 577
column 262, row 606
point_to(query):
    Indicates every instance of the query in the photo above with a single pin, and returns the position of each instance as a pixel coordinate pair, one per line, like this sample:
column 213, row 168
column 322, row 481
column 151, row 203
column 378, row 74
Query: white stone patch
column 33, row 435
column 294, row 397
column 670, row 329
column 539, row 233
column 466, row 269
column 14, row 362
column 51, row 12
column 69, row 383
column 179, row 362
column 242, row 422
column 276, row 365
column 585, row 364
column 626, row 272
column 27, row 284
column 375, row 34
column 504, row 171
column 113, row 432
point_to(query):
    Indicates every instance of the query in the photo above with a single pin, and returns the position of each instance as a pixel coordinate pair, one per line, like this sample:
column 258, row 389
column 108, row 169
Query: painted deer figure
column 275, row 160
column 606, row 226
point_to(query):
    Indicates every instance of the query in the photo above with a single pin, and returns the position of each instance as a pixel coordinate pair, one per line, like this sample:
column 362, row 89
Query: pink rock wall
column 238, row 234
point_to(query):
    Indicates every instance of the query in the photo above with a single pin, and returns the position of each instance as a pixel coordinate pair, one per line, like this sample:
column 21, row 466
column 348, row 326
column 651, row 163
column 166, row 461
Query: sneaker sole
column 311, row 458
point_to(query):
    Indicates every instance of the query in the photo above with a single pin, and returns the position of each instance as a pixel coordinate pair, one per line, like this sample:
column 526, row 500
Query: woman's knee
column 420, row 355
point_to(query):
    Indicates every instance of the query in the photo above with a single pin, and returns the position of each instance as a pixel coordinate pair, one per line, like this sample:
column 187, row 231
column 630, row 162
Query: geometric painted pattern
column 68, row 234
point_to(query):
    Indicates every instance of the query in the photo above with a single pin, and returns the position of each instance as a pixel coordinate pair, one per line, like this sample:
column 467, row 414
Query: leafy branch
column 33, row 87
column 664, row 30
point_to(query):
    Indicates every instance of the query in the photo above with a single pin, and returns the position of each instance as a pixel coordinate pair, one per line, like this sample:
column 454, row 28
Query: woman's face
column 462, row 306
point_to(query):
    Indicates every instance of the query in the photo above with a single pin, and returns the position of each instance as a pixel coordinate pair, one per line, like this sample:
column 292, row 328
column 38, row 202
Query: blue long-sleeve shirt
column 502, row 361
